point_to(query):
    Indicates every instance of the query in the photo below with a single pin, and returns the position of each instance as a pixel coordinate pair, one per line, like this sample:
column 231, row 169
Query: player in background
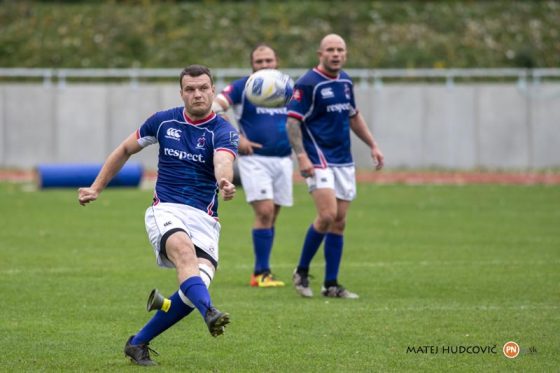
column 197, row 149
column 265, row 165
column 320, row 116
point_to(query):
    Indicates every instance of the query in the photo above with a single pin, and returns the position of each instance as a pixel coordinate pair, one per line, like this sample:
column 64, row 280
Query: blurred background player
column 196, row 153
column 265, row 165
column 320, row 116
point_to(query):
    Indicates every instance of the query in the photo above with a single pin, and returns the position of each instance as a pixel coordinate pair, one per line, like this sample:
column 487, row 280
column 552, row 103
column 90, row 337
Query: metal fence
column 364, row 76
column 425, row 118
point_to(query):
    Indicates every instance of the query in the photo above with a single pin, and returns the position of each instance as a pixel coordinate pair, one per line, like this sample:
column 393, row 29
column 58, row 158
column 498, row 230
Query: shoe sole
column 217, row 327
column 134, row 361
column 335, row 297
column 304, row 292
column 276, row 285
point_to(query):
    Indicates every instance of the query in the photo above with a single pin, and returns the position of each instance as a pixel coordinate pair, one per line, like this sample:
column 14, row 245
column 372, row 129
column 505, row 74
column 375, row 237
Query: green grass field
column 442, row 266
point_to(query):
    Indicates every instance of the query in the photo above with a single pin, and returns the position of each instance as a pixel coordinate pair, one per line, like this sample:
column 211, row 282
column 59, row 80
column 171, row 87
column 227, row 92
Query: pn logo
column 511, row 350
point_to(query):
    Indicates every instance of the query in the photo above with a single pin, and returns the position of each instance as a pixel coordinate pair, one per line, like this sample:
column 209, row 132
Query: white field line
column 422, row 263
column 366, row 306
column 249, row 265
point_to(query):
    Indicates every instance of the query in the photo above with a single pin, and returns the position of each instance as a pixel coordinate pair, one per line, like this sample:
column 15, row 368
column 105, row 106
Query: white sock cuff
column 185, row 299
column 206, row 273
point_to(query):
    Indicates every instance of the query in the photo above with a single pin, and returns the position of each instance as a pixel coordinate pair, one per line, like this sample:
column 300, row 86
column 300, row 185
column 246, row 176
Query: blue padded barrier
column 82, row 175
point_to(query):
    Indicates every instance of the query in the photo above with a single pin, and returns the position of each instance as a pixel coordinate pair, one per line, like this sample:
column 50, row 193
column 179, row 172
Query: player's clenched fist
column 86, row 195
column 228, row 189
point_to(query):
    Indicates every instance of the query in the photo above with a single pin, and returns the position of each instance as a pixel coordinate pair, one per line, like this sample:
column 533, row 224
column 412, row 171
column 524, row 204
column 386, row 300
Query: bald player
column 320, row 116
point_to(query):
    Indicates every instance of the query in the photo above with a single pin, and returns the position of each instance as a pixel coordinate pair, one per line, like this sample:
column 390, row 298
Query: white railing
column 364, row 76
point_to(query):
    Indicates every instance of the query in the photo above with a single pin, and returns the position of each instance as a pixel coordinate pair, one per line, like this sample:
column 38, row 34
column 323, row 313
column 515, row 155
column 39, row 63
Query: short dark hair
column 259, row 46
column 195, row 70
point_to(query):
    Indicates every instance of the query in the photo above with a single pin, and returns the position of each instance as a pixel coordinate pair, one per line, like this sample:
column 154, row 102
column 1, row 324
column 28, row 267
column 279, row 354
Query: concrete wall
column 465, row 126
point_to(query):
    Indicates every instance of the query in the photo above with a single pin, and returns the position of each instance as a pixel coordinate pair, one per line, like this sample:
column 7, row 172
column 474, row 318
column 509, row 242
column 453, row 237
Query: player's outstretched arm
column 223, row 171
column 293, row 127
column 360, row 128
column 111, row 167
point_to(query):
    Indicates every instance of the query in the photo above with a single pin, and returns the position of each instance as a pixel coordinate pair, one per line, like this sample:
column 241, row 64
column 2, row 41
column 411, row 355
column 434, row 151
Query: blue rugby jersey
column 324, row 105
column 186, row 156
column 266, row 126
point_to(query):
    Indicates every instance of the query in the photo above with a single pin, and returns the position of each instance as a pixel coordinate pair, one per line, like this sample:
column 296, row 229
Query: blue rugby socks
column 333, row 255
column 262, row 247
column 312, row 242
column 197, row 292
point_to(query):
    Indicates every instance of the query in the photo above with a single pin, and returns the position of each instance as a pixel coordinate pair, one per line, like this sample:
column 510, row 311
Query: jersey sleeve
column 147, row 133
column 233, row 92
column 353, row 108
column 301, row 101
column 227, row 138
column 346, row 80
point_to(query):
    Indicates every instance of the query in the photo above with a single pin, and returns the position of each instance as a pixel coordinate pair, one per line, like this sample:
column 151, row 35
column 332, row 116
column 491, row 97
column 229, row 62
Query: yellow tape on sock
column 166, row 305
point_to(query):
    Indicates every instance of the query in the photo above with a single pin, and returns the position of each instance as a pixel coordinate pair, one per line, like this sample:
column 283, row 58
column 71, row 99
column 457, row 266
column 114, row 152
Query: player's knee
column 183, row 257
column 265, row 217
column 325, row 220
column 338, row 226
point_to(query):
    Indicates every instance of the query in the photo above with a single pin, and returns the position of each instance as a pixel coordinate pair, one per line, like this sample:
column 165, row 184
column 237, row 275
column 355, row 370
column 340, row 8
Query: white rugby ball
column 269, row 88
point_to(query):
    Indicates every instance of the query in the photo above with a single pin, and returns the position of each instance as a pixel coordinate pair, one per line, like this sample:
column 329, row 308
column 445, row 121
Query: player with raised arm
column 196, row 153
column 320, row 116
column 265, row 165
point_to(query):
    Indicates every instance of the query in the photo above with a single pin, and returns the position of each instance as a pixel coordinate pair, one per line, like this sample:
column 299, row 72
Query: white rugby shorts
column 267, row 178
column 203, row 230
column 341, row 179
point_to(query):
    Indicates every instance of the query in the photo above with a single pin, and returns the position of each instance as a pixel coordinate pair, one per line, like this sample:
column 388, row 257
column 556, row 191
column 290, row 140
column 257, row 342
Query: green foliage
column 434, row 265
column 380, row 34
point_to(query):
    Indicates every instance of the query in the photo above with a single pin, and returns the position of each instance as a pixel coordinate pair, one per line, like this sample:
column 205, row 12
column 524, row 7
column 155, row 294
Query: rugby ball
column 269, row 88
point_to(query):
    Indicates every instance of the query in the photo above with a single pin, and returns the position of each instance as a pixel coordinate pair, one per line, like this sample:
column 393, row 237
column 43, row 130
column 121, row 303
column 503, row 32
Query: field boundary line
column 385, row 177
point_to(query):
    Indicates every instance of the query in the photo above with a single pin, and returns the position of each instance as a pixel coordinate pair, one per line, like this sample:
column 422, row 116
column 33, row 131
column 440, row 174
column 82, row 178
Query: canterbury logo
column 173, row 133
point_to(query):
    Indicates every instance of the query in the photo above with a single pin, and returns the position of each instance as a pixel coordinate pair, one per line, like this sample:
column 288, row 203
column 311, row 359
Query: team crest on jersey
column 347, row 91
column 201, row 142
column 173, row 134
column 234, row 138
column 297, row 95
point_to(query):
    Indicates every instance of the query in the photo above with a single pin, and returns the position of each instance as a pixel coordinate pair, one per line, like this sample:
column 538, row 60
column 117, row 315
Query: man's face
column 332, row 55
column 197, row 93
column 264, row 58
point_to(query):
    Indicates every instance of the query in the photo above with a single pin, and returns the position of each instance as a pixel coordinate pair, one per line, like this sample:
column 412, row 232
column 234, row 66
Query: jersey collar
column 198, row 122
column 322, row 72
